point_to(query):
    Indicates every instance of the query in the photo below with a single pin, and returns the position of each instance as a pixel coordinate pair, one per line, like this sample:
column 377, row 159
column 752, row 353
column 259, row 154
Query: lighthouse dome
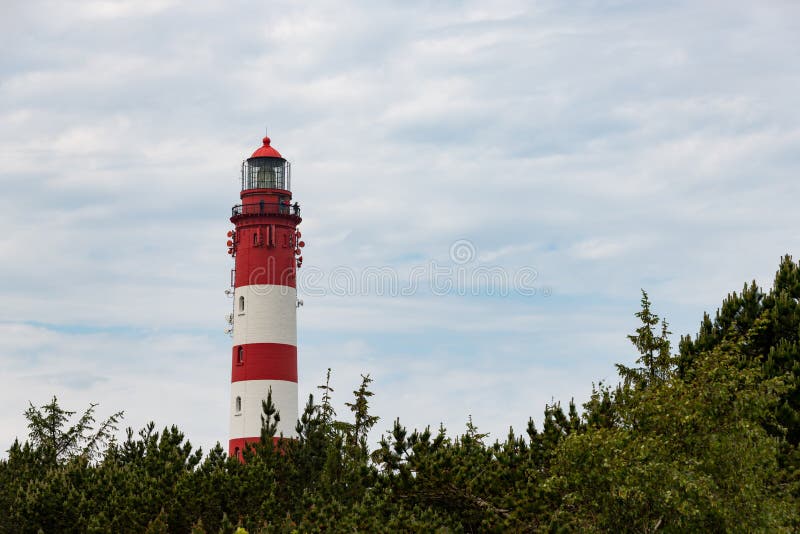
column 266, row 151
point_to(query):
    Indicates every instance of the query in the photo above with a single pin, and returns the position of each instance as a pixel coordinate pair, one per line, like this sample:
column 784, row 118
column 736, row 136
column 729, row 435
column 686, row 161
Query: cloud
column 609, row 146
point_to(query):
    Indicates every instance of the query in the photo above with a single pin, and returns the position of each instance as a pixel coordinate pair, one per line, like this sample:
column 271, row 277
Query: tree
column 270, row 417
column 357, row 431
column 327, row 411
column 766, row 325
column 654, row 350
column 689, row 455
column 48, row 432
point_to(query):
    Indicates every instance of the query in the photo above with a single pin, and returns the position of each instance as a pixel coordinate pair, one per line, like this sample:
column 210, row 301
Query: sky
column 486, row 188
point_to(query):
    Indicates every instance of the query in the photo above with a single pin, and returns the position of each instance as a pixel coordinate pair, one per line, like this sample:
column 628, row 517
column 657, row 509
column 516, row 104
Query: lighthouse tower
column 266, row 246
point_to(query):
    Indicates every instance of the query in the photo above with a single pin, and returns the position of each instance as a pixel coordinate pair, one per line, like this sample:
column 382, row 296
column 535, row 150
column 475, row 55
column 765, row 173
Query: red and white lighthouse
column 266, row 247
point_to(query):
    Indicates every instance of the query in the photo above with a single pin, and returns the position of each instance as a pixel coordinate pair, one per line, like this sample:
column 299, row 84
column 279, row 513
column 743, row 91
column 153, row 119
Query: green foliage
column 689, row 455
column 269, row 418
column 48, row 432
column 702, row 440
column 654, row 350
column 767, row 327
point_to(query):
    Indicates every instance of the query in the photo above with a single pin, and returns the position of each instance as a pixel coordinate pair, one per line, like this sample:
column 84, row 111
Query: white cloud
column 597, row 249
column 122, row 9
column 609, row 145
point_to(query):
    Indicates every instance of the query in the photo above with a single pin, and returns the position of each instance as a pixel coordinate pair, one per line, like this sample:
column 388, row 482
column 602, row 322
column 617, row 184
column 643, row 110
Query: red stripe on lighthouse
column 265, row 361
column 262, row 264
column 237, row 446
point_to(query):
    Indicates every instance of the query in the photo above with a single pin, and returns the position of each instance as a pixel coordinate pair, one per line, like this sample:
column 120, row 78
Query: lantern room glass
column 266, row 173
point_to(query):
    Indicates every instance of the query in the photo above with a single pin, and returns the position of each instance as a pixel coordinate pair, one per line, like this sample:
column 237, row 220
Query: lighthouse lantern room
column 266, row 246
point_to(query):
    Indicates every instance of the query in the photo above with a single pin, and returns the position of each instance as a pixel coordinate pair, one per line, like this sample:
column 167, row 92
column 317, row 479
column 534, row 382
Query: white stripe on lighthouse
column 269, row 315
column 247, row 422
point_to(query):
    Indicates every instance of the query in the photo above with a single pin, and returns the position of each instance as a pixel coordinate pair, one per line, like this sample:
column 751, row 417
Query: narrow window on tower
column 238, row 404
column 241, row 305
column 240, row 355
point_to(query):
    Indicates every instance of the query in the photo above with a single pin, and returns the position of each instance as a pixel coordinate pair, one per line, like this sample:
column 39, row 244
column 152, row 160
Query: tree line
column 702, row 438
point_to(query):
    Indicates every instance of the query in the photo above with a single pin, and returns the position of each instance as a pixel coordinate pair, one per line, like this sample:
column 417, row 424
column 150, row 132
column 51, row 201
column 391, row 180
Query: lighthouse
column 266, row 246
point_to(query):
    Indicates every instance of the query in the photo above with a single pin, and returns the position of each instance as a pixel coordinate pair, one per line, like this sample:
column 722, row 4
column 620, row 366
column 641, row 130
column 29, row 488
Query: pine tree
column 270, row 417
column 363, row 422
column 48, row 431
column 158, row 525
column 327, row 410
column 657, row 364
